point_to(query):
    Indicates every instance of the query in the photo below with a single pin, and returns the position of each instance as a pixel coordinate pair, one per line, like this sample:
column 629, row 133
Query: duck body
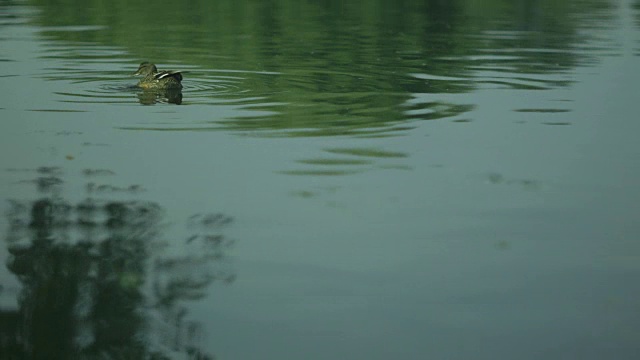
column 158, row 80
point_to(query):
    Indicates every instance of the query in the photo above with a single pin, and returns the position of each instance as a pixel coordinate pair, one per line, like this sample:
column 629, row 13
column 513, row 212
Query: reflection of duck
column 154, row 79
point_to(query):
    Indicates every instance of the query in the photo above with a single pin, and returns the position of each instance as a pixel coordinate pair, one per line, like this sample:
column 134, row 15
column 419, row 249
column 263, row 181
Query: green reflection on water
column 334, row 162
column 335, row 68
column 360, row 160
column 319, row 172
column 367, row 152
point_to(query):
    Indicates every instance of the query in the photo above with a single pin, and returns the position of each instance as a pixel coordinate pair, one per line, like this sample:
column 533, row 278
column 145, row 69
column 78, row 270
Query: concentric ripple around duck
column 119, row 87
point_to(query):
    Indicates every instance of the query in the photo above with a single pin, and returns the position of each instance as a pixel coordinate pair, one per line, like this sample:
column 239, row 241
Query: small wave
column 120, row 87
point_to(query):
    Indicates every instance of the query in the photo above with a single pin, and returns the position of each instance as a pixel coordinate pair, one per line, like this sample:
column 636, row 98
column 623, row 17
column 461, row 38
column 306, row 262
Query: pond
column 335, row 180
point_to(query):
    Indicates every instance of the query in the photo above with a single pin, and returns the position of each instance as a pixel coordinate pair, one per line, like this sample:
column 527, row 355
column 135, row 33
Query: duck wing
column 163, row 74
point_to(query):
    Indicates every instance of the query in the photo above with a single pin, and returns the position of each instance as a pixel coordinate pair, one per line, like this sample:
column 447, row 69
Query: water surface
column 350, row 180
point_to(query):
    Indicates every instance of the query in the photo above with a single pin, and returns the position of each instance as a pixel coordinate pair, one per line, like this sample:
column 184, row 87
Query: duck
column 158, row 80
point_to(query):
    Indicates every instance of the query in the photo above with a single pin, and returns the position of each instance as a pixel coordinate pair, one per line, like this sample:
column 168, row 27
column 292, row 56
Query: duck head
column 146, row 68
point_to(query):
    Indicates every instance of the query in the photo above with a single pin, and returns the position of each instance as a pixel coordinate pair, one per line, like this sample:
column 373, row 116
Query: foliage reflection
column 98, row 282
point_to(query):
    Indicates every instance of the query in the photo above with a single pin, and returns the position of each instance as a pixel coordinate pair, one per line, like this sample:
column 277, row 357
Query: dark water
column 346, row 180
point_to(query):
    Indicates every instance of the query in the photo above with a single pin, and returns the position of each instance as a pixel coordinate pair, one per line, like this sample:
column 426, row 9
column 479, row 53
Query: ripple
column 319, row 172
column 367, row 152
column 349, row 161
column 119, row 87
column 542, row 110
column 207, row 89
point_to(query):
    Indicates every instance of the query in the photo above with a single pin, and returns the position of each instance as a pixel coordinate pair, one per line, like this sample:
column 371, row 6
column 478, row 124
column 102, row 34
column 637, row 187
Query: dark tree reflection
column 95, row 283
